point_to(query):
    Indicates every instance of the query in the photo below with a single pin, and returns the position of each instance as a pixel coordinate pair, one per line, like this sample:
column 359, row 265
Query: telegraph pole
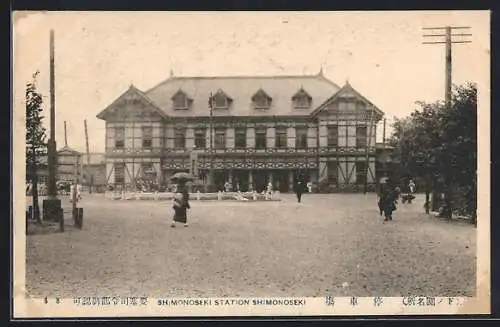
column 449, row 39
column 65, row 135
column 91, row 182
column 52, row 205
column 210, row 172
column 383, row 132
column 367, row 157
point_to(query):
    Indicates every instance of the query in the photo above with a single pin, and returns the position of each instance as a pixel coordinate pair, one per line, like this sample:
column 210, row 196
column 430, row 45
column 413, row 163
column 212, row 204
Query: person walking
column 299, row 189
column 388, row 200
column 180, row 206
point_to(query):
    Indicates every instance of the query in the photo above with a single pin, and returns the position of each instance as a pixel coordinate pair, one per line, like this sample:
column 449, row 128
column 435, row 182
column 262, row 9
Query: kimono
column 387, row 203
column 180, row 209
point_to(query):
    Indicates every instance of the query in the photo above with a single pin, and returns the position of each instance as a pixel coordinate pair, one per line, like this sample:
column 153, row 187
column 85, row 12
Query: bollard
column 80, row 218
column 60, row 217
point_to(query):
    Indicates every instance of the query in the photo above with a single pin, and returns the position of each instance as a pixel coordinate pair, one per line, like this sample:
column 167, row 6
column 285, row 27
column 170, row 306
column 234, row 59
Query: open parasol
column 181, row 178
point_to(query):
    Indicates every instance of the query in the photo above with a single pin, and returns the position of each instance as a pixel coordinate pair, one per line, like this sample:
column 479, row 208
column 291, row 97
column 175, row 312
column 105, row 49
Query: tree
column 36, row 146
column 439, row 144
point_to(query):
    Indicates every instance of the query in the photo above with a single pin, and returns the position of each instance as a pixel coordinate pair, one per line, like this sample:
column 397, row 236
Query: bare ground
column 328, row 245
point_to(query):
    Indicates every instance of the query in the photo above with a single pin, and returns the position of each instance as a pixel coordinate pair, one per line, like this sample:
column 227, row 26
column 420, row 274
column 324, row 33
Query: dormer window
column 221, row 100
column 181, row 100
column 302, row 99
column 261, row 100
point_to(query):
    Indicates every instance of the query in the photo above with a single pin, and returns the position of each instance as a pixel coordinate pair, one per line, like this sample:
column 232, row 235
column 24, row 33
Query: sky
column 99, row 54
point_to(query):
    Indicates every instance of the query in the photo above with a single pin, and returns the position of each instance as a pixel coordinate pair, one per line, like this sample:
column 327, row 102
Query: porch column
column 270, row 174
column 230, row 176
column 250, row 179
column 290, row 180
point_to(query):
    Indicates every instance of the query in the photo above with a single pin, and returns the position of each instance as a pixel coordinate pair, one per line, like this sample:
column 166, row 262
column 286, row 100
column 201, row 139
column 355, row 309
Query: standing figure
column 411, row 186
column 180, row 206
column 388, row 200
column 299, row 189
column 309, row 187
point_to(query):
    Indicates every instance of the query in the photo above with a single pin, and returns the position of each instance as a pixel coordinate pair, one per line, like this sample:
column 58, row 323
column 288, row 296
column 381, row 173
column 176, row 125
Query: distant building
column 94, row 171
column 67, row 161
column 262, row 129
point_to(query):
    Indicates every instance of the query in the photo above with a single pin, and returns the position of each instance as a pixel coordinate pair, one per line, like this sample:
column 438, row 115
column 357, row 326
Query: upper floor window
column 301, row 137
column 147, row 137
column 220, row 100
column 281, row 137
column 333, row 135
column 261, row 100
column 302, row 99
column 119, row 137
column 200, row 139
column 347, row 105
column 260, row 137
column 220, row 138
column 180, row 138
column 361, row 136
column 181, row 100
column 240, row 138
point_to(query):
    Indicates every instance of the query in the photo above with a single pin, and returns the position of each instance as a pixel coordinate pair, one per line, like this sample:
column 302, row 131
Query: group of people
column 389, row 195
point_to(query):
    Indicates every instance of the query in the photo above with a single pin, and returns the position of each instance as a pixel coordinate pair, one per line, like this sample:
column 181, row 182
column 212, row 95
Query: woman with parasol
column 181, row 201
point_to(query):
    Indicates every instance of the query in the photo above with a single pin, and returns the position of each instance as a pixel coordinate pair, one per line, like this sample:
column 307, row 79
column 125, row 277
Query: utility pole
column 87, row 141
column 210, row 172
column 383, row 132
column 52, row 205
column 91, row 182
column 65, row 135
column 448, row 41
column 367, row 150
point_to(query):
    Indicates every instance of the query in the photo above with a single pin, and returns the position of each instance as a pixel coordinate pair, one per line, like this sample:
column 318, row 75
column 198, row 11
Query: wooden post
column 75, row 184
column 65, row 135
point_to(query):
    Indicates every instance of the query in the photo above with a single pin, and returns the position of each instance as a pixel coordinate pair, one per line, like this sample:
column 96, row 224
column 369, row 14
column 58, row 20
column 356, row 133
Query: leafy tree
column 438, row 144
column 36, row 146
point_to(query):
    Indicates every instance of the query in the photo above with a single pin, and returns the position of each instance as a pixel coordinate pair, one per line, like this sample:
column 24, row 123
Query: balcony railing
column 156, row 151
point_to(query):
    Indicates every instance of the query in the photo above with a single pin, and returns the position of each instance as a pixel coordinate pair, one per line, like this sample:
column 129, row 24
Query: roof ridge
column 172, row 78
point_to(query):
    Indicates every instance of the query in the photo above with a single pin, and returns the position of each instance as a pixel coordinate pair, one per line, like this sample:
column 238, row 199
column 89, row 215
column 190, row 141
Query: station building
column 249, row 130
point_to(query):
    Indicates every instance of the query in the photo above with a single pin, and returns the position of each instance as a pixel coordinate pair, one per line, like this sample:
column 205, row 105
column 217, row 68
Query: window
column 351, row 106
column 119, row 137
column 342, row 105
column 333, row 169
column 180, row 101
column 147, row 137
column 301, row 137
column 261, row 100
column 180, row 138
column 240, row 138
column 302, row 99
column 119, row 173
column 360, row 172
column 260, row 138
column 333, row 135
column 220, row 101
column 220, row 138
column 361, row 136
column 360, row 108
column 200, row 139
column 281, row 137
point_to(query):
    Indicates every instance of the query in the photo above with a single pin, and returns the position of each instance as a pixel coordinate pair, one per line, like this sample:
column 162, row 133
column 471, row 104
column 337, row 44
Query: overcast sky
column 99, row 54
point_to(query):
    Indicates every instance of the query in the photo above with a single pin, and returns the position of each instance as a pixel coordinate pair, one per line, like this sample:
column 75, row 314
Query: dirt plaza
column 328, row 245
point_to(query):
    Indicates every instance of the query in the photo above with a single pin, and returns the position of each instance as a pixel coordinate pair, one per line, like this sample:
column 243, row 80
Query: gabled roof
column 260, row 93
column 132, row 91
column 241, row 89
column 347, row 89
column 181, row 92
column 301, row 93
column 220, row 92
